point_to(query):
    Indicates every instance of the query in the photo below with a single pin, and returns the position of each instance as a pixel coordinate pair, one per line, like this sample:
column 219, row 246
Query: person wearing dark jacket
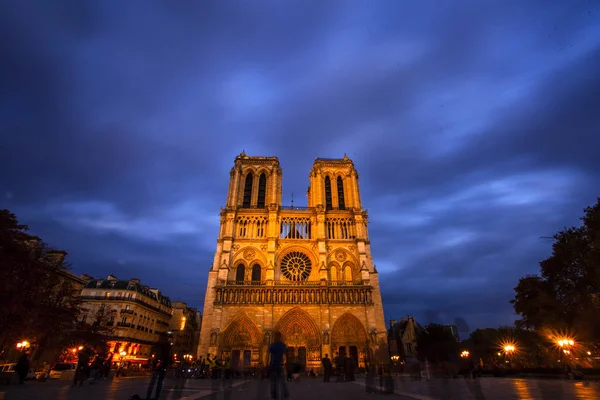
column 22, row 368
column 160, row 363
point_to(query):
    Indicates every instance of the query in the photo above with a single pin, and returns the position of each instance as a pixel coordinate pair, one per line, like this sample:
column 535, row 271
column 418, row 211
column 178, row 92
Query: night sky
column 474, row 126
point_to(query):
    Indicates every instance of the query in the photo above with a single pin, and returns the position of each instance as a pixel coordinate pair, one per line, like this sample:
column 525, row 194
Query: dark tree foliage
column 38, row 303
column 485, row 344
column 436, row 344
column 565, row 296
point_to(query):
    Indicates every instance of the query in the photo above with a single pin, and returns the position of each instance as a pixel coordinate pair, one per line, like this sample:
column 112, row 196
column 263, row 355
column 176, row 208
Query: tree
column 436, row 344
column 38, row 303
column 565, row 296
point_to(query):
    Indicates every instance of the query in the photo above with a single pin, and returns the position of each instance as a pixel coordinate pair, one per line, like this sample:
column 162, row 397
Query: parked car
column 64, row 371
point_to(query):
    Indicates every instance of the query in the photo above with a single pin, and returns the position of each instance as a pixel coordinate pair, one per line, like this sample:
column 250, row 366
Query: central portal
column 302, row 337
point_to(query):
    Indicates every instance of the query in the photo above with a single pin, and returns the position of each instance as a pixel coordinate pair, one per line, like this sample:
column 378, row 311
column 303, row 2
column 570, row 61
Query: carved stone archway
column 241, row 338
column 300, row 332
column 350, row 334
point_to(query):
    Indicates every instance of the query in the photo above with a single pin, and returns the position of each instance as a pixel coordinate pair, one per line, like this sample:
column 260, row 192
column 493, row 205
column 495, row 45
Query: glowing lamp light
column 464, row 354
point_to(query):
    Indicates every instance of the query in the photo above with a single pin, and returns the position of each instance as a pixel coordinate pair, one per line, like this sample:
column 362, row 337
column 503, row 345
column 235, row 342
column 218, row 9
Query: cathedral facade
column 306, row 272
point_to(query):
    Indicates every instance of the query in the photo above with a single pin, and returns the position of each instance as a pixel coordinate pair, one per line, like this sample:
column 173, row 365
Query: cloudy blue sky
column 474, row 126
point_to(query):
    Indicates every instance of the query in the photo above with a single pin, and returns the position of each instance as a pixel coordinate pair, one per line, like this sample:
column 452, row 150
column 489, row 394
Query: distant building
column 402, row 338
column 453, row 329
column 186, row 330
column 138, row 314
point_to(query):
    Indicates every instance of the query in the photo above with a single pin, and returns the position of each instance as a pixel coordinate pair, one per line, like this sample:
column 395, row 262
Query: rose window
column 296, row 266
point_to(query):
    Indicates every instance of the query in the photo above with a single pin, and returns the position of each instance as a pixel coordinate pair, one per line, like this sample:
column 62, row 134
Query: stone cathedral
column 306, row 272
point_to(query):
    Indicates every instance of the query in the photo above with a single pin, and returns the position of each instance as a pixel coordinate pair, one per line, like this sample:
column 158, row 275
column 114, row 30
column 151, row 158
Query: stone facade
column 136, row 314
column 304, row 271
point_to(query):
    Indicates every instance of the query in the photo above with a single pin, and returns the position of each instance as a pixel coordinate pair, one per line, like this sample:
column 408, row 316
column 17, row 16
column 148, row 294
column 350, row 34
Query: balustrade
column 286, row 295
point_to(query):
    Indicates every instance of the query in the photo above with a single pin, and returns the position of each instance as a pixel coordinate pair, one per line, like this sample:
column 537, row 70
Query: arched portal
column 349, row 337
column 241, row 341
column 302, row 336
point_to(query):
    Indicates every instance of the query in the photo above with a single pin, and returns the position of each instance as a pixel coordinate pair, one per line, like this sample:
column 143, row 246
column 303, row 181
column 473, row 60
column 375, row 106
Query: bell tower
column 255, row 182
column 334, row 184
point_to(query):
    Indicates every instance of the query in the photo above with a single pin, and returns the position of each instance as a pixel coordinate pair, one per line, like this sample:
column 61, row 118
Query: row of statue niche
column 268, row 335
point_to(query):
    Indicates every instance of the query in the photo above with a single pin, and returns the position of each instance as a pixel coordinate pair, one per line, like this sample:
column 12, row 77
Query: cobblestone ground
column 310, row 389
column 499, row 389
column 192, row 389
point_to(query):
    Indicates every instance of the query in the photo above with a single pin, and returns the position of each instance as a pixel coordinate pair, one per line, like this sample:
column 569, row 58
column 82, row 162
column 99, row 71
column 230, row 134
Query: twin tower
column 306, row 272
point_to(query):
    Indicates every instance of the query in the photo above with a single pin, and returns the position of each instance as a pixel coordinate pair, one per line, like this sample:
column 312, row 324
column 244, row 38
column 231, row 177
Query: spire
column 243, row 153
column 292, row 200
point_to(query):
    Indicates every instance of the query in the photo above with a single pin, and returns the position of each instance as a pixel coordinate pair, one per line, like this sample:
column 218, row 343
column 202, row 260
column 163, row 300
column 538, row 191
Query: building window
column 247, row 191
column 127, row 306
column 101, row 307
column 124, row 320
column 328, row 204
column 256, row 273
column 340, row 189
column 239, row 273
column 409, row 348
column 83, row 318
column 262, row 190
column 107, row 295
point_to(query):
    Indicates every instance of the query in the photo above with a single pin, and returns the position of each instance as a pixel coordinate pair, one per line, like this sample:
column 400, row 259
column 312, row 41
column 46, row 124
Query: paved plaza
column 311, row 389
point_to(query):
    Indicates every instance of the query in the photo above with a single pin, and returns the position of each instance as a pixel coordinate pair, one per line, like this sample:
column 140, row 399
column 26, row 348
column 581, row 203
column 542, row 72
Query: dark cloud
column 473, row 128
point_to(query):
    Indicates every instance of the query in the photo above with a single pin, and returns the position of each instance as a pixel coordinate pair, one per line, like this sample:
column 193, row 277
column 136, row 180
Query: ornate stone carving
column 267, row 338
column 348, row 330
column 235, row 247
column 298, row 329
column 373, row 334
column 241, row 333
column 213, row 339
column 315, row 246
column 263, row 247
column 351, row 247
column 340, row 255
column 326, row 337
column 249, row 254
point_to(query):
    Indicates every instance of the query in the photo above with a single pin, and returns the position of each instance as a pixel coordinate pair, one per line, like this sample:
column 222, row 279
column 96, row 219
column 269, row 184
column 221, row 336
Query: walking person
column 159, row 367
column 277, row 351
column 327, row 366
column 83, row 361
column 22, row 368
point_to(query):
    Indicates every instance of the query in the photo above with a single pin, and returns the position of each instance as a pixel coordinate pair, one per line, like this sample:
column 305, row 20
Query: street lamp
column 23, row 345
column 464, row 354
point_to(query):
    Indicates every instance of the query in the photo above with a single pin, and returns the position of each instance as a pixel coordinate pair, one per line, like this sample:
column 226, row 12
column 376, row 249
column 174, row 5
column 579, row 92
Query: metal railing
column 295, row 283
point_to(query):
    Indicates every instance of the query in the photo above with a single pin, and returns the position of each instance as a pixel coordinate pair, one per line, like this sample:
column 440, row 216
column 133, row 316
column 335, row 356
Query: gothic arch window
column 347, row 273
column 333, row 273
column 328, row 204
column 256, row 272
column 247, row 191
column 340, row 190
column 239, row 273
column 262, row 191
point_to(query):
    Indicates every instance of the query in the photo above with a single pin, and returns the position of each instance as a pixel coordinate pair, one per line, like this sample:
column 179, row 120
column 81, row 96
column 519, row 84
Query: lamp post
column 395, row 358
column 509, row 350
column 566, row 346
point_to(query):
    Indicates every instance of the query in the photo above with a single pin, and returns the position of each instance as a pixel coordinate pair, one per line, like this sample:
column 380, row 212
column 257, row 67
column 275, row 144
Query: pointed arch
column 347, row 273
column 340, row 192
column 328, row 201
column 298, row 328
column 240, row 273
column 348, row 331
column 241, row 333
column 333, row 271
column 247, row 191
column 256, row 272
column 262, row 191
